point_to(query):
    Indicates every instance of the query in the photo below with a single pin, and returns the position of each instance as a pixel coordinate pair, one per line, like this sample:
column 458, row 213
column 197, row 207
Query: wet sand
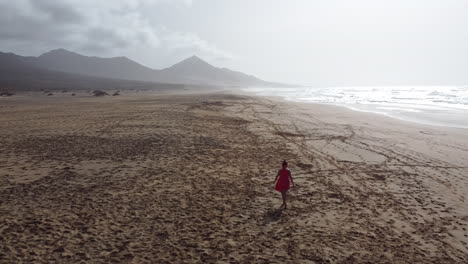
column 188, row 179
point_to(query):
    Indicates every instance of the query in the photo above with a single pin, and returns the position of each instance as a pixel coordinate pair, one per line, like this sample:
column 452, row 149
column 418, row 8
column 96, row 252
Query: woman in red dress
column 283, row 183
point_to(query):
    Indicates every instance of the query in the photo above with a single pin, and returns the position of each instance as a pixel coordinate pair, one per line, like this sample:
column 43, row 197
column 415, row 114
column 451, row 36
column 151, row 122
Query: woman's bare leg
column 283, row 194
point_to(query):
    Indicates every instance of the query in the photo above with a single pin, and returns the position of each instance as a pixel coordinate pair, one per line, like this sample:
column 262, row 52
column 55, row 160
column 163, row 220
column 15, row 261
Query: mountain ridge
column 18, row 73
column 192, row 70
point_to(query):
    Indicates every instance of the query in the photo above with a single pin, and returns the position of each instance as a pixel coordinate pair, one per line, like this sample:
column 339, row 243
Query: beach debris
column 99, row 93
column 50, row 94
column 6, row 93
column 116, row 93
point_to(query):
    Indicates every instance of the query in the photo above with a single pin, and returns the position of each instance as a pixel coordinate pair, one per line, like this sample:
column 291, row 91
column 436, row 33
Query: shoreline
column 424, row 120
column 423, row 114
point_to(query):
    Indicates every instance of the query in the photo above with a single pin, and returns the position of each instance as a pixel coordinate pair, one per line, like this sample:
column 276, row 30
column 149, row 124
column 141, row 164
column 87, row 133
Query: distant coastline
column 431, row 105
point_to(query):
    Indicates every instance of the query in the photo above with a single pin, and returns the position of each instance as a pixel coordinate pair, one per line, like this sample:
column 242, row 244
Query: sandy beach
column 189, row 179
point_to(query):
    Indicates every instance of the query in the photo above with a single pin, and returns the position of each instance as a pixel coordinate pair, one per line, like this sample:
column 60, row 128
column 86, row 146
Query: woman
column 283, row 183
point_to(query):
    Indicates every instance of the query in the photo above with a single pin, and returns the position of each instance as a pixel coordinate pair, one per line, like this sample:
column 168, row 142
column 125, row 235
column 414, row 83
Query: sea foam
column 434, row 105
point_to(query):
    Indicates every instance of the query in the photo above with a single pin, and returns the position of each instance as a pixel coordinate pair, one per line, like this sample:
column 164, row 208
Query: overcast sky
column 319, row 43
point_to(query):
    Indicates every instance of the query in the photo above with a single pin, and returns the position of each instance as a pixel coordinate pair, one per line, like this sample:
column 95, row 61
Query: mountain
column 192, row 70
column 63, row 66
column 18, row 73
column 116, row 68
column 197, row 71
column 11, row 61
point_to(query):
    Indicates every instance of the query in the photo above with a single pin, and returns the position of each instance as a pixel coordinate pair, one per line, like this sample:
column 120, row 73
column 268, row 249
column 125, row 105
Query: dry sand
column 188, row 179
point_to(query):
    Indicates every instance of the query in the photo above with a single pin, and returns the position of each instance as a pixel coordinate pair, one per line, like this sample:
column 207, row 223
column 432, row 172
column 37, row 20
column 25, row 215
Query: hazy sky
column 311, row 42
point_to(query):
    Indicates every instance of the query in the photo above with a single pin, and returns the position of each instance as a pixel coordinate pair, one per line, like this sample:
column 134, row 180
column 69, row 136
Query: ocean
column 432, row 105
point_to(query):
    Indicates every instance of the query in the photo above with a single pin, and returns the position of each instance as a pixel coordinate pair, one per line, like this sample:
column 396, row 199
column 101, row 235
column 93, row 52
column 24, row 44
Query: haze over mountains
column 19, row 73
column 64, row 66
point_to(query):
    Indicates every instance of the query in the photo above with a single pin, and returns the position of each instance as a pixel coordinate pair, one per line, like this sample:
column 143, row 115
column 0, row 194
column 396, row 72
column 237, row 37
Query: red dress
column 283, row 182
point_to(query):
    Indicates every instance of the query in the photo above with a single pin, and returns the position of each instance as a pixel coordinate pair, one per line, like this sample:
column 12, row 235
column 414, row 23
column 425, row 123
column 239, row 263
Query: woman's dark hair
column 285, row 163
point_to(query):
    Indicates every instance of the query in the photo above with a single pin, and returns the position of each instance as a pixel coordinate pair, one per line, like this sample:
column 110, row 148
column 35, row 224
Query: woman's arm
column 290, row 178
column 277, row 175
